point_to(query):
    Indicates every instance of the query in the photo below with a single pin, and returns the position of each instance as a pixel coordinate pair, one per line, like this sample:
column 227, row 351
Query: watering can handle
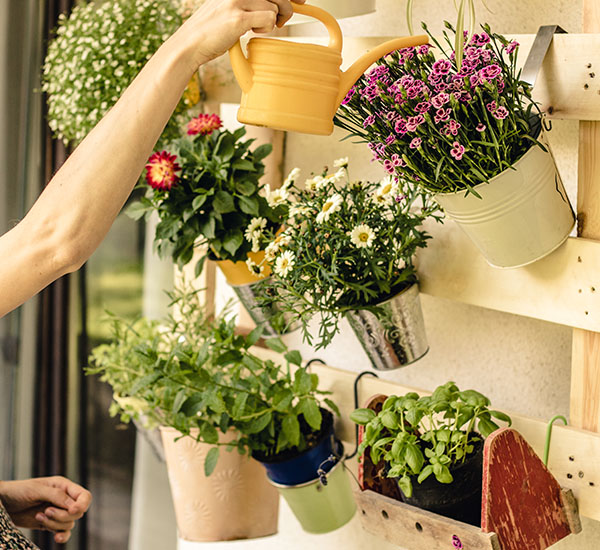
column 332, row 26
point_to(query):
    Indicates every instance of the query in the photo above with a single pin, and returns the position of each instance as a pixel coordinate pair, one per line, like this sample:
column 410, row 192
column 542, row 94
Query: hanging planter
column 234, row 502
column 393, row 335
column 523, row 214
column 322, row 504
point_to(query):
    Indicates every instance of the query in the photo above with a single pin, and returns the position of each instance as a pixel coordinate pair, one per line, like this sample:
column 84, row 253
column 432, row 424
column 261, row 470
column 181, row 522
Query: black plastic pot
column 459, row 500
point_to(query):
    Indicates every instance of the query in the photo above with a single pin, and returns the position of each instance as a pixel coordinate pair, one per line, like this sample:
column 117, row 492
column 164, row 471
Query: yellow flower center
column 327, row 206
column 363, row 237
column 386, row 189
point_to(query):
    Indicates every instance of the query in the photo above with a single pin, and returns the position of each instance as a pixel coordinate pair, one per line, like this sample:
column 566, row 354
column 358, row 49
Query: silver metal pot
column 393, row 336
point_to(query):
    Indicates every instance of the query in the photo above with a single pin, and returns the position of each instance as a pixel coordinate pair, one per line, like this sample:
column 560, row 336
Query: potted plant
column 348, row 249
column 96, row 52
column 154, row 369
column 471, row 136
column 207, row 193
column 433, row 446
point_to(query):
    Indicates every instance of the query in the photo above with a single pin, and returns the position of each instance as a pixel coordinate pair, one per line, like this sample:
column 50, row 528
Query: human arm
column 51, row 503
column 79, row 204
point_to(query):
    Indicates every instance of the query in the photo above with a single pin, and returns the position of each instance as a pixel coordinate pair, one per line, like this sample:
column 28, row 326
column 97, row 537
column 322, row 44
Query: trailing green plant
column 440, row 127
column 422, row 436
column 200, row 377
column 206, row 192
column 346, row 245
column 95, row 53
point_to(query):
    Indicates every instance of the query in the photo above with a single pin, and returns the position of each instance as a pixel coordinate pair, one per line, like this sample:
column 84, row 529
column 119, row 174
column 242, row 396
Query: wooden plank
column 417, row 529
column 574, row 454
column 585, row 373
column 562, row 288
column 522, row 501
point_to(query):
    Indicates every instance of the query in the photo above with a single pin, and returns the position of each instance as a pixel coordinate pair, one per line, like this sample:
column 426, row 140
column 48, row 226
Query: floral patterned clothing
column 10, row 537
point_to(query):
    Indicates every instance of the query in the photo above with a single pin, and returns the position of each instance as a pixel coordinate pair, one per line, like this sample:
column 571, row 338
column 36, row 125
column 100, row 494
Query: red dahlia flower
column 160, row 170
column 204, row 124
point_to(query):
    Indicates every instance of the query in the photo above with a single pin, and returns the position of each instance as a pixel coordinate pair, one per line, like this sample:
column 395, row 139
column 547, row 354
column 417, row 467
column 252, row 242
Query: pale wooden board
column 417, row 529
column 574, row 454
column 565, row 83
column 562, row 288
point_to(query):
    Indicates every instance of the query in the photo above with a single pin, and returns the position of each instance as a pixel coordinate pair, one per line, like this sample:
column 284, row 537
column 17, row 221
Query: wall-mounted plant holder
column 523, row 505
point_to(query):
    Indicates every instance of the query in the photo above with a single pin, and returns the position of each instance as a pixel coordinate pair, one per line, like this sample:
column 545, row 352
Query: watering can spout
column 356, row 70
column 241, row 67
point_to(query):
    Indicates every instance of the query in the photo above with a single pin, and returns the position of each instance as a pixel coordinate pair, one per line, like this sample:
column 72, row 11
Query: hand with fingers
column 51, row 503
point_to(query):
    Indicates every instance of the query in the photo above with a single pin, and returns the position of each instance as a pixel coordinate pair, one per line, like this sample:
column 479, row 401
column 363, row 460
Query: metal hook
column 315, row 360
column 322, row 473
column 356, row 405
column 549, row 435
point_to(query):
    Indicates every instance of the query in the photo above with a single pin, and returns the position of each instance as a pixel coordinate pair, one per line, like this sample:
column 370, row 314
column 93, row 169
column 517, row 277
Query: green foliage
column 217, row 196
column 96, row 52
column 320, row 264
column 420, row 436
column 200, row 377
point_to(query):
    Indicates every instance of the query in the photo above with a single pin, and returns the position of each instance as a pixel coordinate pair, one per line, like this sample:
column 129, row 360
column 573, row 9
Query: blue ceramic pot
column 303, row 467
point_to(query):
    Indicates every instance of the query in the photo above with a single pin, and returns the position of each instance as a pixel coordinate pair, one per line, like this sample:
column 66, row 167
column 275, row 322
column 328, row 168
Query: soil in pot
column 459, row 500
column 293, row 468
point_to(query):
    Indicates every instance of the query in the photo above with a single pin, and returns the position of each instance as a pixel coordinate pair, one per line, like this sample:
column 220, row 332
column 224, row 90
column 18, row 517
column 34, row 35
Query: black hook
column 315, row 360
column 356, row 404
column 322, row 473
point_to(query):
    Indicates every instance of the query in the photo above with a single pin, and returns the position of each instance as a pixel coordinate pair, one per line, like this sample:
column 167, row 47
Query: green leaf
column 276, row 344
column 207, row 228
column 282, row 400
column 302, row 382
column 198, row 202
column 262, row 151
column 245, row 187
column 223, row 202
column 390, row 420
column 294, row 357
column 425, row 473
column 229, row 357
column 332, row 406
column 405, row 486
column 199, row 266
column 255, row 335
column 248, row 205
column 145, row 381
column 291, row 429
column 239, row 405
column 232, row 241
column 179, row 399
column 209, row 433
column 259, row 424
column 243, row 164
column 444, row 475
column 311, row 412
column 210, row 462
column 362, row 416
column 501, row 416
column 136, row 210
column 414, row 458
column 486, row 427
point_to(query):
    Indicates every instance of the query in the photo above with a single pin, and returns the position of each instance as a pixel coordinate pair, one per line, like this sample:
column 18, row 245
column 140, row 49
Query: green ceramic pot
column 321, row 508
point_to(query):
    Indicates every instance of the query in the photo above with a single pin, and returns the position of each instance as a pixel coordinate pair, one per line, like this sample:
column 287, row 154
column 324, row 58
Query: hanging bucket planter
column 304, row 467
column 235, row 502
column 393, row 336
column 321, row 507
column 523, row 214
column 247, row 287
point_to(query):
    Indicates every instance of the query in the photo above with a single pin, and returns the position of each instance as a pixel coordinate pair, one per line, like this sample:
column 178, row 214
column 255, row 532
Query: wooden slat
column 417, row 529
column 574, row 453
column 585, row 374
column 562, row 288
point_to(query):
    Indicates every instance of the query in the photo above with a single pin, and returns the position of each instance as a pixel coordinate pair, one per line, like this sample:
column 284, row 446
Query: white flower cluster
column 96, row 52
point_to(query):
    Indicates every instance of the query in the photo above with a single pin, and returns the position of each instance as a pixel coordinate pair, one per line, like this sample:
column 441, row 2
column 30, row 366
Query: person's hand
column 51, row 503
column 218, row 24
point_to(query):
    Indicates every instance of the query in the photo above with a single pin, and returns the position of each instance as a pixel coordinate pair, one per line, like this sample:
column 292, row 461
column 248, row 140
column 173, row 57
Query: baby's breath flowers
column 443, row 126
column 206, row 190
column 346, row 245
column 96, row 52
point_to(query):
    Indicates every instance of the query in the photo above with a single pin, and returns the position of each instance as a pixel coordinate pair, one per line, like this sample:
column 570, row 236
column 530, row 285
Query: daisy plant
column 207, row 193
column 346, row 245
column 441, row 128
column 96, row 51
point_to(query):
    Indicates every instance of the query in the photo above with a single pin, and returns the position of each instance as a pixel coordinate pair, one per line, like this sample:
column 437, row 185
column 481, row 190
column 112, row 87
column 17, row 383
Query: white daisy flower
column 255, row 225
column 284, row 263
column 332, row 204
column 254, row 268
column 292, row 177
column 276, row 197
column 341, row 162
column 362, row 236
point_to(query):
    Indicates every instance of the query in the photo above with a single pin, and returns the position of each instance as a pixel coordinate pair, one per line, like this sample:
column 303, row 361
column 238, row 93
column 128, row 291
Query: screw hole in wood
column 384, row 514
column 418, row 527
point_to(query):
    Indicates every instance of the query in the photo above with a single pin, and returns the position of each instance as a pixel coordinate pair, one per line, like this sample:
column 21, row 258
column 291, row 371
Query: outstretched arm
column 78, row 206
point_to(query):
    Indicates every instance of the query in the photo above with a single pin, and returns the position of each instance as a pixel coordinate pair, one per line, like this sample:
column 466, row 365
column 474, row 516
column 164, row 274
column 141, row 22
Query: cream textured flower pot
column 235, row 502
column 524, row 214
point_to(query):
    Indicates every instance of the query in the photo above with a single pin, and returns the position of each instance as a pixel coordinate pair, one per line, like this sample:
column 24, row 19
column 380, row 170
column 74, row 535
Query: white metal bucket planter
column 523, row 214
column 393, row 336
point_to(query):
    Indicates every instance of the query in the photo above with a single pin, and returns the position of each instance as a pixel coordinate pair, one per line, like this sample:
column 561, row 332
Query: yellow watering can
column 298, row 87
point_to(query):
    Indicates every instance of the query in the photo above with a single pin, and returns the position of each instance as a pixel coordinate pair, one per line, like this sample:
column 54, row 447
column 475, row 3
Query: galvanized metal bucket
column 260, row 314
column 393, row 336
column 321, row 508
column 523, row 214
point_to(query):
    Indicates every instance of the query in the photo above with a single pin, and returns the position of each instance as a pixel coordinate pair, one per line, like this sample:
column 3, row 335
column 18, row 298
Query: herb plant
column 206, row 191
column 347, row 245
column 200, row 377
column 441, row 128
column 420, row 436
column 96, row 52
